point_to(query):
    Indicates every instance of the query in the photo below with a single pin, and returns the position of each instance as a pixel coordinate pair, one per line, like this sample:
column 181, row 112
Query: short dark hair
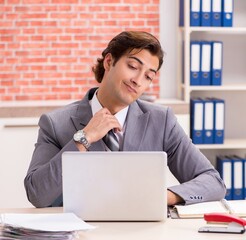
column 124, row 43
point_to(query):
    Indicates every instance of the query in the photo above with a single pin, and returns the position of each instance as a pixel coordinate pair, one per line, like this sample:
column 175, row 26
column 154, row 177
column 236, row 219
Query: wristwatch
column 80, row 137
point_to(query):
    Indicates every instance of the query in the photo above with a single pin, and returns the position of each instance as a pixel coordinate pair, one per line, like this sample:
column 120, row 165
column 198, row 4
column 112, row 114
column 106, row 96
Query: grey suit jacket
column 148, row 128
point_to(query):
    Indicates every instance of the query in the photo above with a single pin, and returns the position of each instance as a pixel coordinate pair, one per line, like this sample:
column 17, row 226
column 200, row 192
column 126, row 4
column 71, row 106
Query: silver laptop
column 115, row 186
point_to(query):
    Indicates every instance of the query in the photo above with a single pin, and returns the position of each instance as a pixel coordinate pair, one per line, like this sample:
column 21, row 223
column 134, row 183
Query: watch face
column 78, row 136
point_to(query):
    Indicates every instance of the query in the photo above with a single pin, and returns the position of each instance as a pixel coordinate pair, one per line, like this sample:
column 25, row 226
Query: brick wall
column 47, row 47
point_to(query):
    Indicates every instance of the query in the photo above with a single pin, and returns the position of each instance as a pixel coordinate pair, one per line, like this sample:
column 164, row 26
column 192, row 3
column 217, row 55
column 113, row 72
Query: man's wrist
column 80, row 137
column 173, row 198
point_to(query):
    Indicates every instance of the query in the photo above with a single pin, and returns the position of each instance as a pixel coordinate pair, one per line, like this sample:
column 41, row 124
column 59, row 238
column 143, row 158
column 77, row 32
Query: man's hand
column 102, row 122
column 173, row 198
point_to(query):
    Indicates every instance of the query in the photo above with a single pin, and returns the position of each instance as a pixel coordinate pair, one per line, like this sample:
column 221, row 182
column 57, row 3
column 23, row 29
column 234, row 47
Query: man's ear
column 108, row 61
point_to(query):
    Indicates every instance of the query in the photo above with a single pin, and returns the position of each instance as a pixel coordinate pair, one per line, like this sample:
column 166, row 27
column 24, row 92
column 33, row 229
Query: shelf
column 232, row 87
column 228, row 144
column 217, row 30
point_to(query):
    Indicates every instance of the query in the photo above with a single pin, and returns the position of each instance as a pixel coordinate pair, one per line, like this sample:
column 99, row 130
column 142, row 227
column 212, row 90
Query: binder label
column 228, row 5
column 238, row 175
column 216, row 6
column 217, row 53
column 227, row 170
column 209, row 116
column 219, row 123
column 198, row 121
column 206, row 55
column 195, row 6
column 195, row 58
column 206, row 5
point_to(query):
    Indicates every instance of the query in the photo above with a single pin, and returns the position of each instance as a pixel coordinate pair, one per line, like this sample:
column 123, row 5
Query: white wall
column 17, row 139
column 168, row 38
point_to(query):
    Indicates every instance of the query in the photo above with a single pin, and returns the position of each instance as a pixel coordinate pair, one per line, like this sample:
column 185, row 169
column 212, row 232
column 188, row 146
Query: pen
column 227, row 206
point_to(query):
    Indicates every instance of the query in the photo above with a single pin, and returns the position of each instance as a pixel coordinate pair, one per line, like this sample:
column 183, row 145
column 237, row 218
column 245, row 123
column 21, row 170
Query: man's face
column 131, row 75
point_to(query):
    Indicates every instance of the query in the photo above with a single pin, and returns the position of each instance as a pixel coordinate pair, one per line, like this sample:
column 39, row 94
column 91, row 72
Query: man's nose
column 137, row 80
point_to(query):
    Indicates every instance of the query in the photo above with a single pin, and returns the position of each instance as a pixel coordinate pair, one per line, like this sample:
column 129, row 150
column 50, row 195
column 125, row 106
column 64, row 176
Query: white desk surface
column 172, row 229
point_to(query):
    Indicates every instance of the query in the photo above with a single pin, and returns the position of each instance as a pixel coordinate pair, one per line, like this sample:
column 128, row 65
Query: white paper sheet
column 46, row 222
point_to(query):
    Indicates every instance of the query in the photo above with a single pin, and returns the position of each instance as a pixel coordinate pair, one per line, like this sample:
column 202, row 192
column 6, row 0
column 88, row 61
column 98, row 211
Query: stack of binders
column 206, row 63
column 207, row 120
column 210, row 13
column 232, row 170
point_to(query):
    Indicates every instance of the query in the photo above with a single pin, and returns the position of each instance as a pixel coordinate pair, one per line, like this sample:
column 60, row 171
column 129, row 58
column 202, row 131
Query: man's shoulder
column 152, row 107
column 64, row 111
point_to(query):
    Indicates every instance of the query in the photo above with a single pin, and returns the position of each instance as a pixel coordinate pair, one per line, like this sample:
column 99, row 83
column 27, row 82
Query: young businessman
column 127, row 67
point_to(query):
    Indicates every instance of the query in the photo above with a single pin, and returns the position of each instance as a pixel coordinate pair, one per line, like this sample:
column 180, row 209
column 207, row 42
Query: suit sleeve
column 43, row 182
column 199, row 180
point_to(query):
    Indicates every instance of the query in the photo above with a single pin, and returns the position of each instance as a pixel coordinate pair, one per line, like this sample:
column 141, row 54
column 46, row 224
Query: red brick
column 65, row 1
column 49, row 31
column 35, row 1
column 65, row 45
column 34, row 16
column 5, row 68
column 6, row 98
column 14, row 90
column 34, row 60
column 63, row 15
column 6, row 38
column 6, row 83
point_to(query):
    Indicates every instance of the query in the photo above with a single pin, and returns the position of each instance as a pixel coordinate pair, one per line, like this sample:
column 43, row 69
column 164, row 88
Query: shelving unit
column 233, row 88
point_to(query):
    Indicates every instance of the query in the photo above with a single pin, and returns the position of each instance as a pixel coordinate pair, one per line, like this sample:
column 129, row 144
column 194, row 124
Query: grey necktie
column 111, row 141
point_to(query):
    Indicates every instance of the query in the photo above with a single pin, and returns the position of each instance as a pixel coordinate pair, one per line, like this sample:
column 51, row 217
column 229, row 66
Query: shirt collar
column 96, row 106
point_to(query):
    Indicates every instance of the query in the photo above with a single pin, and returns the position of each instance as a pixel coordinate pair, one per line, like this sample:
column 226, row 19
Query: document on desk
column 235, row 207
column 41, row 226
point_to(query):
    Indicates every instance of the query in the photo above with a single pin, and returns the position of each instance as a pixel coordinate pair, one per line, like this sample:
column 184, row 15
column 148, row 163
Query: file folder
column 205, row 63
column 216, row 13
column 195, row 53
column 227, row 18
column 219, row 119
column 195, row 15
column 208, row 121
column 206, row 13
column 197, row 111
column 224, row 167
column 217, row 59
column 237, row 177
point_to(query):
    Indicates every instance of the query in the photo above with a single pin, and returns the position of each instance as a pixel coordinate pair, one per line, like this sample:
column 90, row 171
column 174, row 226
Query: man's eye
column 149, row 78
column 132, row 67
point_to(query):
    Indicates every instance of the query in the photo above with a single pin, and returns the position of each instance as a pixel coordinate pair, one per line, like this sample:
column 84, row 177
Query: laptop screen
column 115, row 186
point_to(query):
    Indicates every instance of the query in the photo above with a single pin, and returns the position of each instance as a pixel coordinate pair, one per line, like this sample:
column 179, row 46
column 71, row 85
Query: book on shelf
column 235, row 207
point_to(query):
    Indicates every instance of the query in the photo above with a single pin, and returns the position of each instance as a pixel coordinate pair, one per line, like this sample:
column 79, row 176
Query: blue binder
column 205, row 63
column 217, row 62
column 237, row 177
column 219, row 120
column 216, row 13
column 195, row 13
column 244, row 177
column 197, row 111
column 206, row 13
column 224, row 167
column 208, row 123
column 195, row 62
column 227, row 19
column 181, row 13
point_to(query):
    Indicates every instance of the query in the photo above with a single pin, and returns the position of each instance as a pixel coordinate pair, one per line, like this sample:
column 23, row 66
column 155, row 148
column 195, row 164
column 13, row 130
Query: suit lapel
column 136, row 124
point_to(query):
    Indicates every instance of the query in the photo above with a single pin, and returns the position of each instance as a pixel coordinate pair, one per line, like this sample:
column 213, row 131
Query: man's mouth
column 130, row 89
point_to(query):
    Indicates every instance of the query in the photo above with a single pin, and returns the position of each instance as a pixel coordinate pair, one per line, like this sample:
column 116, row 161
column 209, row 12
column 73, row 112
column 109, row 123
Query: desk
column 172, row 229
